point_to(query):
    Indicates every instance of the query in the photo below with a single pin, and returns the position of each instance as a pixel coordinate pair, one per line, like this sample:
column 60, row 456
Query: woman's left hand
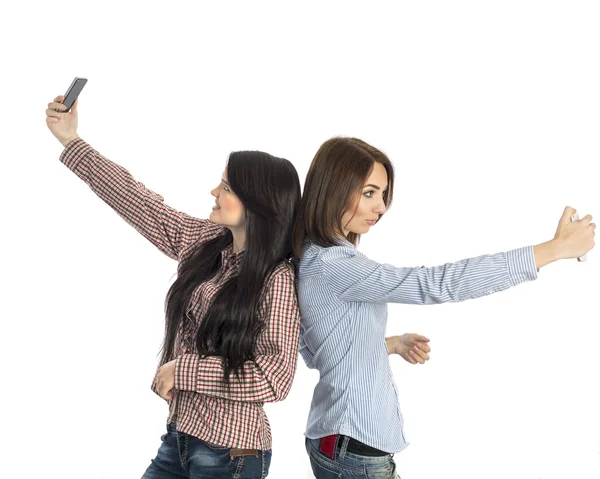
column 411, row 347
column 165, row 380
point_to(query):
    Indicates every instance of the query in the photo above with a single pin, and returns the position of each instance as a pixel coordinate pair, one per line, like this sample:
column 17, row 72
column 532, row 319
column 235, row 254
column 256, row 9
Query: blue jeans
column 346, row 465
column 183, row 456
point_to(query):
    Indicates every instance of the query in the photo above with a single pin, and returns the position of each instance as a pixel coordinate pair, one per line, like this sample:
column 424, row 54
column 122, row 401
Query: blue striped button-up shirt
column 343, row 299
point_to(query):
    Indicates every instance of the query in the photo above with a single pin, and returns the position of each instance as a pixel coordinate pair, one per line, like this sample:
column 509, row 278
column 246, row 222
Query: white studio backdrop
column 489, row 111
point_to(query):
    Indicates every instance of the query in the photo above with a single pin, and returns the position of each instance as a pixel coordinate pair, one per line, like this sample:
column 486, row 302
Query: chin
column 361, row 231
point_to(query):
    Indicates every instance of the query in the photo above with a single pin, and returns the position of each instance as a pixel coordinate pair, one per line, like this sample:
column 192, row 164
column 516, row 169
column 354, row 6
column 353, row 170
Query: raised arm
column 167, row 228
column 354, row 277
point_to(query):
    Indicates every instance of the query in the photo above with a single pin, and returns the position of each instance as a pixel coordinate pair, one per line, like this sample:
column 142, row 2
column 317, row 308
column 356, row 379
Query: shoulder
column 280, row 290
column 282, row 274
column 339, row 253
column 326, row 254
column 345, row 265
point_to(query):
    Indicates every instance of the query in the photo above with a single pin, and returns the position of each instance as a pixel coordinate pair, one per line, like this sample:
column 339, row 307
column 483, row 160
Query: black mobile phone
column 73, row 92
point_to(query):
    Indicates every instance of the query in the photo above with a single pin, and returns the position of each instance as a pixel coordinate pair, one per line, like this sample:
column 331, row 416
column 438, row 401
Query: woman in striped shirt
column 232, row 320
column 354, row 424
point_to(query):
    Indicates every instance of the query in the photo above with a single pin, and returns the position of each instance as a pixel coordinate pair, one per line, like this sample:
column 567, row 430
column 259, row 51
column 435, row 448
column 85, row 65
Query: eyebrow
column 374, row 186
column 224, row 181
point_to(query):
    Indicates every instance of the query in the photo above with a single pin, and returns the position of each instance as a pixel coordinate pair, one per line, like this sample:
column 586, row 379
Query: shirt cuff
column 74, row 152
column 521, row 265
column 186, row 372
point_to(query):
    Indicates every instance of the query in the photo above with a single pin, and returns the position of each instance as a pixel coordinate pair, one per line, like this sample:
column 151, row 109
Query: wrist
column 546, row 253
column 391, row 344
column 69, row 139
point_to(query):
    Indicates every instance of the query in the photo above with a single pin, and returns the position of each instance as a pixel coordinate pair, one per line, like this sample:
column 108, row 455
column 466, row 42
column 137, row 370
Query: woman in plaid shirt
column 232, row 320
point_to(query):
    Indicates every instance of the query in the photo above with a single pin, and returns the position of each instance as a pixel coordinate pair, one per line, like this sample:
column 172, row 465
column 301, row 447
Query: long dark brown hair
column 269, row 189
column 333, row 186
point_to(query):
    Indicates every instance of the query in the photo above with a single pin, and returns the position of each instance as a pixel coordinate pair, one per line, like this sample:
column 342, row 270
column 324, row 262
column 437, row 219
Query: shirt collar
column 344, row 241
column 228, row 257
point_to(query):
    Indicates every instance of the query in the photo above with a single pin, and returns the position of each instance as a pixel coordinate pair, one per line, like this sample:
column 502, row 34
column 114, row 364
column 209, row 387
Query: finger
column 410, row 359
column 422, row 354
column 424, row 347
column 57, row 106
column 416, row 357
column 50, row 119
column 567, row 213
column 587, row 218
column 53, row 114
column 593, row 225
column 418, row 337
column 59, row 98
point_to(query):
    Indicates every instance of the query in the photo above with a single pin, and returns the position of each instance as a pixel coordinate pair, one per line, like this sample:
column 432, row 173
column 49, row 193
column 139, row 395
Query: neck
column 239, row 239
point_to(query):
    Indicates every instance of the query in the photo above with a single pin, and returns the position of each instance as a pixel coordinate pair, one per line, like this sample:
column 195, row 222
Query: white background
column 490, row 113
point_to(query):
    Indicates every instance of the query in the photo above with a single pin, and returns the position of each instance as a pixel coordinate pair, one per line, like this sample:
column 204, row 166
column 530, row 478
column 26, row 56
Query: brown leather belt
column 235, row 452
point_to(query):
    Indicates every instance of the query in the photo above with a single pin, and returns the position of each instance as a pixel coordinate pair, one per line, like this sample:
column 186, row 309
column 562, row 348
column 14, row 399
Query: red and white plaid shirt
column 204, row 407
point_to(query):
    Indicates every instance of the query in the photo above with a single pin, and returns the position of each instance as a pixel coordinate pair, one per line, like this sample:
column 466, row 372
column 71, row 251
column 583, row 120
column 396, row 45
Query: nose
column 380, row 208
column 214, row 192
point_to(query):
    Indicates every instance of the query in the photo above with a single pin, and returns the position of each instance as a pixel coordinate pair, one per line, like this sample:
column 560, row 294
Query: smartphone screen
column 73, row 92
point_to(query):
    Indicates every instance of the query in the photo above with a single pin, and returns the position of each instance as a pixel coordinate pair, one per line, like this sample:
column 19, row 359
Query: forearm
column 260, row 383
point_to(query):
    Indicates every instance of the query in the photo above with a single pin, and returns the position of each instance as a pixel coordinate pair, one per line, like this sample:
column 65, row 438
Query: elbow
column 279, row 388
column 279, row 392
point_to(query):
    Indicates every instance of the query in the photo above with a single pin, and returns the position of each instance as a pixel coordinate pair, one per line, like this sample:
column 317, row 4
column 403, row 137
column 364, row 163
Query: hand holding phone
column 64, row 127
column 72, row 93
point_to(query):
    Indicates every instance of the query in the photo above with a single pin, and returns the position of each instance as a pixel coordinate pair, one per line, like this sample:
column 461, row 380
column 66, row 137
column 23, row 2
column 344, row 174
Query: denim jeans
column 183, row 456
column 346, row 465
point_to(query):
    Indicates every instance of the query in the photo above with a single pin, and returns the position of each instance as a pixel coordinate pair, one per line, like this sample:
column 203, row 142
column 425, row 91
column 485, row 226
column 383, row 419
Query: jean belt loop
column 344, row 447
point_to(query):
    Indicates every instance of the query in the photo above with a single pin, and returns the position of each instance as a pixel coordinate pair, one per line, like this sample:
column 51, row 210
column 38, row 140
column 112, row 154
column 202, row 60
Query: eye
column 369, row 194
column 226, row 188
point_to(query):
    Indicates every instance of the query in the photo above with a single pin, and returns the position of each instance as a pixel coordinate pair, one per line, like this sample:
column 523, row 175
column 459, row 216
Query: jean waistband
column 316, row 443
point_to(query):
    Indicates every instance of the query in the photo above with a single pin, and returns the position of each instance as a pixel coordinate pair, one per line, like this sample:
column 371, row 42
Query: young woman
column 232, row 321
column 355, row 424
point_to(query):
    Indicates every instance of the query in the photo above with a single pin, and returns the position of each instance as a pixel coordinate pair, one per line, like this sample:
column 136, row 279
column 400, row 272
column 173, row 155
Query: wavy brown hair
column 333, row 186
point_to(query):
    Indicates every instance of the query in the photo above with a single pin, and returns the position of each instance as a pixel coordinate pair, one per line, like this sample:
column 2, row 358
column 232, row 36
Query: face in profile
column 228, row 210
column 365, row 212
